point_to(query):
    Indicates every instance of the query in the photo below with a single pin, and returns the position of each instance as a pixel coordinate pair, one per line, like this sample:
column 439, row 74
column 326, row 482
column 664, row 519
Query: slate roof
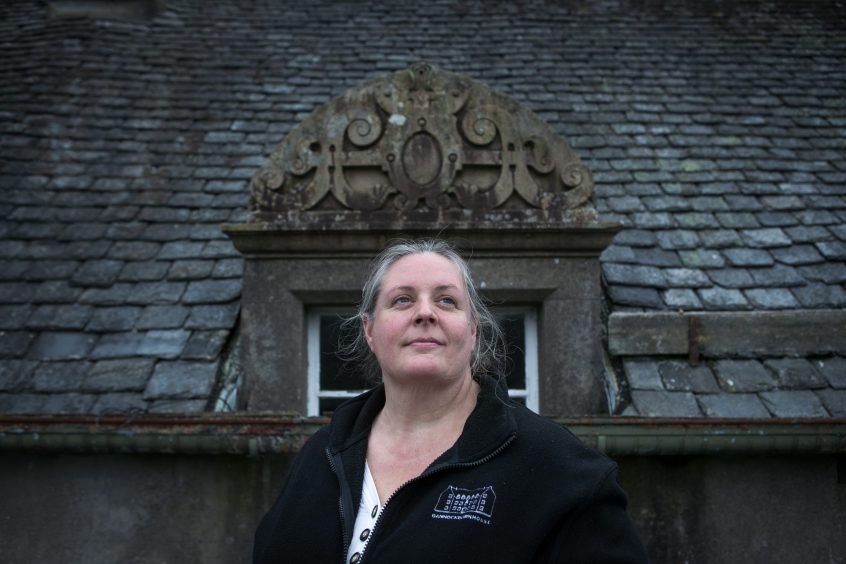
column 716, row 133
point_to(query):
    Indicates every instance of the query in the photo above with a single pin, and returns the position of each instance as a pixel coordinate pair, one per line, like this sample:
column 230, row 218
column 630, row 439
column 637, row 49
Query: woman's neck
column 411, row 409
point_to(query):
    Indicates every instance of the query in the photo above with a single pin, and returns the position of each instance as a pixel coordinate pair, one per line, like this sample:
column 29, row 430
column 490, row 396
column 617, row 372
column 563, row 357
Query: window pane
column 514, row 327
column 328, row 405
column 334, row 373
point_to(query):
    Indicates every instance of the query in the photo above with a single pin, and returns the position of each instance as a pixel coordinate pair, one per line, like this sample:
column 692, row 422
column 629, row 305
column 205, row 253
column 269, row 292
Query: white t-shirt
column 368, row 513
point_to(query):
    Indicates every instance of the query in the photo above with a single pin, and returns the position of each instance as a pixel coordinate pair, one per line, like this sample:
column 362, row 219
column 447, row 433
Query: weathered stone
column 402, row 145
column 702, row 258
column 643, row 374
column 123, row 375
column 799, row 403
column 665, row 404
column 181, row 380
column 62, row 345
column 733, row 406
column 679, row 376
column 743, row 376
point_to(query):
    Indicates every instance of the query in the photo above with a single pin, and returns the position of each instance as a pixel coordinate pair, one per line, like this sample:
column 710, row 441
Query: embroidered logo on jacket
column 459, row 503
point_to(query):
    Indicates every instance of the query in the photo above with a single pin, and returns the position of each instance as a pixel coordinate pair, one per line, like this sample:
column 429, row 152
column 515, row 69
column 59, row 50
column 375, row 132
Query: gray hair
column 488, row 357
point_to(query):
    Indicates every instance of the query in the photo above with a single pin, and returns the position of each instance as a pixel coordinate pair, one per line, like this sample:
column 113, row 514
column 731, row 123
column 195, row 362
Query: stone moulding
column 427, row 143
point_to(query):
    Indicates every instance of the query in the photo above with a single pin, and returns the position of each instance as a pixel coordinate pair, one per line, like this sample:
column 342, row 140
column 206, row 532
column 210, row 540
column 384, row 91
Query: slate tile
column 49, row 269
column 772, row 298
column 97, row 273
column 212, row 291
column 834, row 401
column 722, row 299
column 144, row 271
column 776, row 219
column 736, row 220
column 678, row 239
column 782, row 202
column 205, row 345
column 806, row 234
column 702, row 258
column 795, row 374
column 181, row 379
column 213, row 316
column 163, row 317
column 119, row 404
column 798, row 255
column 834, row 370
column 830, row 273
column 14, row 316
column 167, row 231
column 817, row 217
column 832, row 250
column 55, row 292
column 797, row 403
column 177, row 406
column 181, row 250
column 15, row 344
column 743, row 376
column 190, row 269
column 60, row 376
column 820, row 295
column 765, row 238
column 642, row 374
column 731, row 277
column 686, row 278
column 657, row 257
column 219, row 250
column 115, row 295
column 83, row 232
column 733, row 406
column 150, row 293
column 71, row 404
column 117, row 345
column 679, row 376
column 61, row 345
column 22, row 404
column 122, row 375
column 130, row 230
column 229, row 268
column 778, row 275
column 748, row 257
column 134, row 250
column 113, row 319
column 681, row 298
column 651, row 403
column 63, row 316
column 164, row 343
column 696, row 220
column 15, row 374
column 636, row 296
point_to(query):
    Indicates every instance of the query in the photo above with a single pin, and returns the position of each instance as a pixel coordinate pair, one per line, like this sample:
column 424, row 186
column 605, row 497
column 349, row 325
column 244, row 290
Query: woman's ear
column 368, row 329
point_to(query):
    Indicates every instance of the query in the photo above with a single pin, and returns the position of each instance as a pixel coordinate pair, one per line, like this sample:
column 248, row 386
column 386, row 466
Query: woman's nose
column 424, row 313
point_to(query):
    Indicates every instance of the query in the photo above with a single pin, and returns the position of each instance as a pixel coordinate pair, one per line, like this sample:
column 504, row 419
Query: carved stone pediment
column 423, row 142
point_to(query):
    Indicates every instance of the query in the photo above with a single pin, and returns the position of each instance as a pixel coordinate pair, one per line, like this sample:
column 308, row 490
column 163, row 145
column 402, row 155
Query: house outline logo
column 456, row 503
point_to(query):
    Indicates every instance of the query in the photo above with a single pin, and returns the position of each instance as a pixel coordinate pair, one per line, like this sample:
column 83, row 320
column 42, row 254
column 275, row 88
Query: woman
column 436, row 464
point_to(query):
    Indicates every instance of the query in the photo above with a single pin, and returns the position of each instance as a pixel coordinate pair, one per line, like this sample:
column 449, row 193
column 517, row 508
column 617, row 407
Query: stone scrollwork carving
column 423, row 139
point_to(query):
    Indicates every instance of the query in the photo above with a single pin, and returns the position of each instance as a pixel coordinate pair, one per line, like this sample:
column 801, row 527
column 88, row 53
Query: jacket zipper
column 426, row 474
column 341, row 480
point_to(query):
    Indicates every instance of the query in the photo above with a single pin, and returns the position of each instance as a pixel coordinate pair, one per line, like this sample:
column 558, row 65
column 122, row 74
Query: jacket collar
column 488, row 427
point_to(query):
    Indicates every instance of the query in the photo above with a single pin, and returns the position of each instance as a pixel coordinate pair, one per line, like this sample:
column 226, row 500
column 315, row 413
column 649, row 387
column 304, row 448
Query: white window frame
column 529, row 394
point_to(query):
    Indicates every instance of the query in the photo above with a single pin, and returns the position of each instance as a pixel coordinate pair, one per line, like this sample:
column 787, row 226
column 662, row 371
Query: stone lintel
column 767, row 333
column 265, row 240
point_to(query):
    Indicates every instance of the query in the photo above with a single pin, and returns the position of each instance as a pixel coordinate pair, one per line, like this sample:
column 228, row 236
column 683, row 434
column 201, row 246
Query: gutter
column 273, row 434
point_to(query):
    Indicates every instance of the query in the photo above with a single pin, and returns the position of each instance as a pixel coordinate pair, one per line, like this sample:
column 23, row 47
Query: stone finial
column 424, row 142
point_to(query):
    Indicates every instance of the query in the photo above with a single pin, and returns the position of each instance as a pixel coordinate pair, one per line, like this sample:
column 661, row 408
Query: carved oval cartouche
column 421, row 158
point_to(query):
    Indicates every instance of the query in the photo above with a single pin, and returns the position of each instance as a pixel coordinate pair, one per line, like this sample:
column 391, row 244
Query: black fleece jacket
column 514, row 488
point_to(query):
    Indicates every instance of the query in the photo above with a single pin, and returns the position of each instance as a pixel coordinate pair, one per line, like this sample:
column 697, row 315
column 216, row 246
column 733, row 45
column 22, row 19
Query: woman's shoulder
column 557, row 445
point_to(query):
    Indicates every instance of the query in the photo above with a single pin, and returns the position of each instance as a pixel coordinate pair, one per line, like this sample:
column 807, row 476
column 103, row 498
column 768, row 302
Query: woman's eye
column 401, row 300
column 447, row 300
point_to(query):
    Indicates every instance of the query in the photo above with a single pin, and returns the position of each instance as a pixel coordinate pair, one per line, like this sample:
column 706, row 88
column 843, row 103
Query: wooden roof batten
column 423, row 152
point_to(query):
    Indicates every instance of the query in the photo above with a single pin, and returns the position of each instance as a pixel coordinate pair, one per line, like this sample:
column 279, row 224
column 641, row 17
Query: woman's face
column 421, row 327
